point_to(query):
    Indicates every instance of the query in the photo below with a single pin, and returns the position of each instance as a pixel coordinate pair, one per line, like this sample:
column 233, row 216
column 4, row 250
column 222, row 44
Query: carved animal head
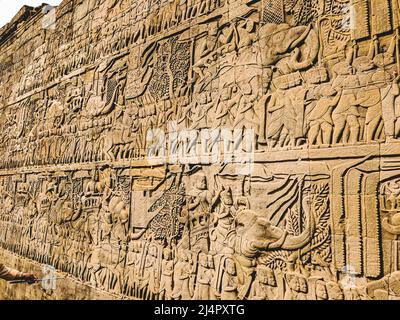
column 279, row 40
column 256, row 226
column 256, row 229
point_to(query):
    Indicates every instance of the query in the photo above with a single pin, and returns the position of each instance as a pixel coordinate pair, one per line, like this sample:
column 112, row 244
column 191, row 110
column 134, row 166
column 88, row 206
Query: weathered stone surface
column 67, row 289
column 202, row 149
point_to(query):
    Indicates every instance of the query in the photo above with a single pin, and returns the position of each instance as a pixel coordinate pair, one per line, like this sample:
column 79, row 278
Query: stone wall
column 206, row 149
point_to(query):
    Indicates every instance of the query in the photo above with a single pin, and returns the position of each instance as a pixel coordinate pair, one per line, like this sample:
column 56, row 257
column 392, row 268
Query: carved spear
column 396, row 20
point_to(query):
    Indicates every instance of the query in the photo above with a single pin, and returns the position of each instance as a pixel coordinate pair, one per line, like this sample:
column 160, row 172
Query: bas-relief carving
column 101, row 113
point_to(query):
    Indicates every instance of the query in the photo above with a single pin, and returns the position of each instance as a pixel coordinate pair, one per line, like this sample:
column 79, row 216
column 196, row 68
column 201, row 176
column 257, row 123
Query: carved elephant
column 255, row 233
column 281, row 40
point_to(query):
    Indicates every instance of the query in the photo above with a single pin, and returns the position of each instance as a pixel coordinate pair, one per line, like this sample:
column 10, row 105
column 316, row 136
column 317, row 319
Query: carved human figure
column 387, row 57
column 351, row 293
column 346, row 113
column 293, row 116
column 96, row 268
column 132, row 260
column 297, row 287
column 206, row 51
column 390, row 112
column 320, row 290
column 246, row 35
column 121, row 226
column 199, row 207
column 117, row 280
column 229, row 98
column 222, row 222
column 204, row 278
column 242, row 202
column 229, row 286
column 200, row 109
column 265, row 285
column 391, row 223
column 154, row 279
column 246, row 116
column 227, row 40
column 371, row 101
column 320, row 118
column 259, row 289
column 276, row 131
column 391, row 192
column 335, row 292
column 182, row 274
column 145, row 288
column 167, row 273
column 317, row 289
column 169, row 14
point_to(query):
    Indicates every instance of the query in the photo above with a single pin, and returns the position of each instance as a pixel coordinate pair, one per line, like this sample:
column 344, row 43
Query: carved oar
column 36, row 281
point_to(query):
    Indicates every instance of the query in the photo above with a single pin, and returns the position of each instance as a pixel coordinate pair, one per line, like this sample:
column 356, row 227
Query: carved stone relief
column 206, row 149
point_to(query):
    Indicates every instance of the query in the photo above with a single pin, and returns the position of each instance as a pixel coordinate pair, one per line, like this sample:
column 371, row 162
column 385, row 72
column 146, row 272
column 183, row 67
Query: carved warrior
column 205, row 149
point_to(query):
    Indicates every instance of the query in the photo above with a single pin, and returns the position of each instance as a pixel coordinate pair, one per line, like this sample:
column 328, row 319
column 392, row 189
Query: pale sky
column 9, row 8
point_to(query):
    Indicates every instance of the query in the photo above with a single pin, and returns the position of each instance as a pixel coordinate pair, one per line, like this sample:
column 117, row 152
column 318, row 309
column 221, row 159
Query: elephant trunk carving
column 256, row 234
column 281, row 39
column 312, row 46
column 296, row 242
